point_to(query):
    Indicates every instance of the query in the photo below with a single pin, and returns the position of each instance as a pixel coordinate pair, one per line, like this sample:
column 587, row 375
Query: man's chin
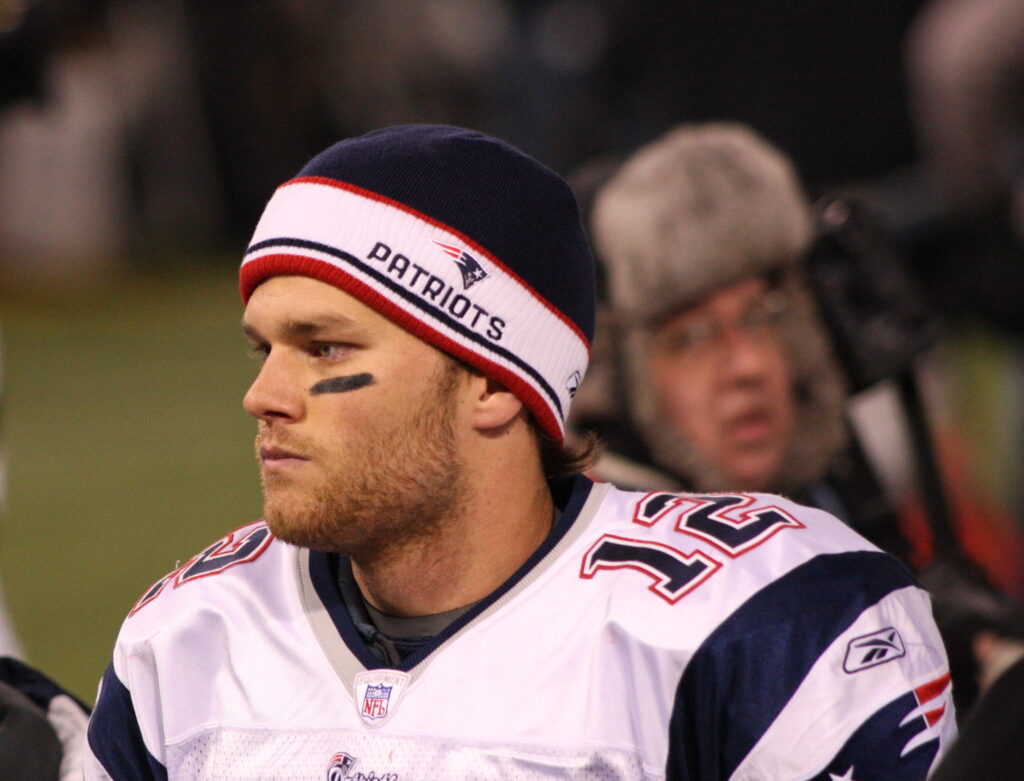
column 301, row 532
column 286, row 519
column 756, row 472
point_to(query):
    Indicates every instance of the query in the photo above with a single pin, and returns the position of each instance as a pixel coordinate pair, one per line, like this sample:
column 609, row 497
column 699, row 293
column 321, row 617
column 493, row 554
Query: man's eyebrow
column 290, row 328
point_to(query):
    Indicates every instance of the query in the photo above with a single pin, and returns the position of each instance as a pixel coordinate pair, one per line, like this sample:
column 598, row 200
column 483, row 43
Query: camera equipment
column 878, row 320
column 879, row 323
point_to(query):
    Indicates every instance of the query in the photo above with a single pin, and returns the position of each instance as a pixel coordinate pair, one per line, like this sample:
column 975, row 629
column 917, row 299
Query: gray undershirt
column 392, row 638
column 413, row 626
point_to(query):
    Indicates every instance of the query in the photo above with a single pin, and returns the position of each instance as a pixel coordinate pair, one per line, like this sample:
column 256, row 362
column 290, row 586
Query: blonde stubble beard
column 404, row 489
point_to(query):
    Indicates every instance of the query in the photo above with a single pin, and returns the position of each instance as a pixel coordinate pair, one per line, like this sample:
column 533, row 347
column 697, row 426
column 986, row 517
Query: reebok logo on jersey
column 472, row 271
column 873, row 649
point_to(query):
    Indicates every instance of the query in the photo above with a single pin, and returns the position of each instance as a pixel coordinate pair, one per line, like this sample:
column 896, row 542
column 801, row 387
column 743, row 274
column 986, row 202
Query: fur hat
column 698, row 209
column 461, row 239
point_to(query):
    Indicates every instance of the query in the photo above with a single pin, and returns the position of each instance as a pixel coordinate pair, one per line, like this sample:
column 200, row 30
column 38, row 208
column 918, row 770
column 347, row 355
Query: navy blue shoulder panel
column 115, row 738
column 569, row 494
column 746, row 671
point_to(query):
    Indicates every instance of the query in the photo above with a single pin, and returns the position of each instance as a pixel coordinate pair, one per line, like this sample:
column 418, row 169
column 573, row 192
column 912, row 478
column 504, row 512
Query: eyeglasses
column 698, row 337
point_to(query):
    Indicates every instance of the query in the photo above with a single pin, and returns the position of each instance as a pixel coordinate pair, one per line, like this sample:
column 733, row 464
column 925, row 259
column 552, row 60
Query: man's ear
column 494, row 404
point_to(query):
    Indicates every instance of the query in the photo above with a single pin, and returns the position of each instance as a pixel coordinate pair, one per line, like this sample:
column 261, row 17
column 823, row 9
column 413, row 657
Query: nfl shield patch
column 375, row 701
column 378, row 693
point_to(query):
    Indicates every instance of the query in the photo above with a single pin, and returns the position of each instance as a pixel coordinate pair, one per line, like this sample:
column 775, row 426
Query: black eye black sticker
column 344, row 384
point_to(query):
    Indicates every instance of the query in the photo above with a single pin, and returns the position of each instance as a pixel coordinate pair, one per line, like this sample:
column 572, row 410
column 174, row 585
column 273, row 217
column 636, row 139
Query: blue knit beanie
column 461, row 239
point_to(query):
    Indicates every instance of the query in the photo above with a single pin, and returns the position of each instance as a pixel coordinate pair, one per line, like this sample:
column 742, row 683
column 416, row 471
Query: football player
column 435, row 591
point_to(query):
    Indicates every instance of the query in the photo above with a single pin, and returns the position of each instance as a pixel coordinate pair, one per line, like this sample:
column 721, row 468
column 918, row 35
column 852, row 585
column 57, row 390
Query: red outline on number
column 217, row 549
column 225, row 547
column 144, row 600
column 744, row 519
column 659, row 577
column 670, row 505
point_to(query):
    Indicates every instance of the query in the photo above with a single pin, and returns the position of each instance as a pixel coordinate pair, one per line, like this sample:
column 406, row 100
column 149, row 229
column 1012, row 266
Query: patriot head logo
column 472, row 271
column 340, row 766
column 906, row 733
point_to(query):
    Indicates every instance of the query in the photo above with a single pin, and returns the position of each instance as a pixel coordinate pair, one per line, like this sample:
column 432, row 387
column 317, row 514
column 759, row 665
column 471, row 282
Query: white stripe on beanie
column 430, row 279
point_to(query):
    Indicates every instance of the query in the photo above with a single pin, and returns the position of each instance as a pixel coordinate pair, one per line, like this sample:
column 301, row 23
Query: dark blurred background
column 140, row 139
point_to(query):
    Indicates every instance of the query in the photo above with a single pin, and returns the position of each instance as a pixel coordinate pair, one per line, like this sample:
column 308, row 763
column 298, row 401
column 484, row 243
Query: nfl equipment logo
column 340, row 766
column 375, row 702
column 377, row 693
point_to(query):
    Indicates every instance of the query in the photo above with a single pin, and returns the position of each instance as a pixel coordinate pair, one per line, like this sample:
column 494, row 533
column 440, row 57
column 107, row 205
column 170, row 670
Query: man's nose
column 276, row 393
column 745, row 351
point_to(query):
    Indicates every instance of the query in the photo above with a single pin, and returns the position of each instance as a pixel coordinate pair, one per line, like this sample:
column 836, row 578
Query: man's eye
column 330, row 351
column 259, row 352
column 690, row 338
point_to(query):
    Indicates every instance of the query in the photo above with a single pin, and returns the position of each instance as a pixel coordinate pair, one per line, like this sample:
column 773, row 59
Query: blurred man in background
column 716, row 373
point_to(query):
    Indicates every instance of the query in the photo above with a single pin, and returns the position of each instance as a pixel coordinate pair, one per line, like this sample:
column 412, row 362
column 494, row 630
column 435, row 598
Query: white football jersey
column 652, row 636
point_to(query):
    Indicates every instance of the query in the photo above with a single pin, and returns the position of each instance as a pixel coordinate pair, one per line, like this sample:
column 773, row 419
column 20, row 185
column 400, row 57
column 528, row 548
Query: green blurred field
column 127, row 449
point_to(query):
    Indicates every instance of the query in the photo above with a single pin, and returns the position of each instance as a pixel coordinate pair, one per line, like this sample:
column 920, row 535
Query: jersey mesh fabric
column 235, row 754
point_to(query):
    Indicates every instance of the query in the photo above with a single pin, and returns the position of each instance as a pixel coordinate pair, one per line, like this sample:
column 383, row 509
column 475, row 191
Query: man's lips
column 749, row 427
column 272, row 456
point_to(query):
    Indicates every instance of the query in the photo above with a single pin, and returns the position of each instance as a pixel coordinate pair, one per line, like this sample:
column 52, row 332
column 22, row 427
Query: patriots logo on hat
column 472, row 271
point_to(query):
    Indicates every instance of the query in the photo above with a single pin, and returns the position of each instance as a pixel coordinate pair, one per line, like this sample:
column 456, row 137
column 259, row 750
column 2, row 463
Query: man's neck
column 466, row 560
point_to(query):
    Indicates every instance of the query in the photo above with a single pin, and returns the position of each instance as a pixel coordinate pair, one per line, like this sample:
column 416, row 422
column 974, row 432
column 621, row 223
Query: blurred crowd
column 144, row 121
column 139, row 122
column 829, row 196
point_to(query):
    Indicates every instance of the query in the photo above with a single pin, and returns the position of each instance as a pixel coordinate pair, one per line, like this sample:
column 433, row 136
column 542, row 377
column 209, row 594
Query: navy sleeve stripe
column 746, row 671
column 114, row 735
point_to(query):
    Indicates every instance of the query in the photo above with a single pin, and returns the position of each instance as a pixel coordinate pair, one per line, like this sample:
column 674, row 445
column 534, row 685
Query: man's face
column 356, row 441
column 722, row 379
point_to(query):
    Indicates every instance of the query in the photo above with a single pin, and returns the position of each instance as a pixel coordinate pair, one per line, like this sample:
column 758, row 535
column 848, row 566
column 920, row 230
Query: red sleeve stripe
column 932, row 689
